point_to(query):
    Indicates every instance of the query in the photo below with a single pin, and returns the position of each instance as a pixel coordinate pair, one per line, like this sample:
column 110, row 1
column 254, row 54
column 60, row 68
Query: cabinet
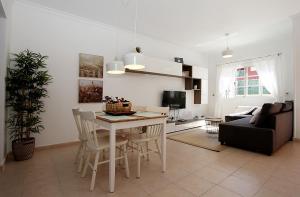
column 195, row 77
column 200, row 72
column 156, row 65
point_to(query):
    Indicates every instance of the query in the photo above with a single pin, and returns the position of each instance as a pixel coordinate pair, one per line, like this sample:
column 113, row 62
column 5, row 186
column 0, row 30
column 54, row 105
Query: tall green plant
column 26, row 83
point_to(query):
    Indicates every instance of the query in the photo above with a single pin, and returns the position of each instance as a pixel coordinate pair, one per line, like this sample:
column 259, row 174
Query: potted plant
column 26, row 83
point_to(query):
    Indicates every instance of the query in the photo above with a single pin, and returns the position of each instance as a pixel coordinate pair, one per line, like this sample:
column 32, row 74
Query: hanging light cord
column 135, row 20
column 227, row 38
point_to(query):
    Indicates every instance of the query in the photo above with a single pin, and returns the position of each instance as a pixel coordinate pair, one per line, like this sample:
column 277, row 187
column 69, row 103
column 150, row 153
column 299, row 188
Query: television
column 173, row 99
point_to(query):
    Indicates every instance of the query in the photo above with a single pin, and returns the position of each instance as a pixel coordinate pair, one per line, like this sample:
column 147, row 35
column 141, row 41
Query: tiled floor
column 191, row 172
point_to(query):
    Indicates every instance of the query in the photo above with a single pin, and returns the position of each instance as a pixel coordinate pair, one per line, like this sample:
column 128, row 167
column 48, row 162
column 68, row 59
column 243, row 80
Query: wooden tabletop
column 135, row 117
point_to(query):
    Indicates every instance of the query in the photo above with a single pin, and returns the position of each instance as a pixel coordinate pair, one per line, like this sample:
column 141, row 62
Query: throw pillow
column 276, row 108
column 287, row 106
column 264, row 113
column 254, row 118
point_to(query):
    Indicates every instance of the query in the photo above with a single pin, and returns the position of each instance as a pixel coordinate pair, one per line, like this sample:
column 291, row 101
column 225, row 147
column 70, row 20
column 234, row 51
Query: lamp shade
column 227, row 53
column 133, row 61
column 115, row 67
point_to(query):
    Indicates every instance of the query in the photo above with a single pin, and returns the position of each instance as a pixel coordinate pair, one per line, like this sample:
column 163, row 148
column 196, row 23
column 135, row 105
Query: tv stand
column 181, row 121
column 184, row 124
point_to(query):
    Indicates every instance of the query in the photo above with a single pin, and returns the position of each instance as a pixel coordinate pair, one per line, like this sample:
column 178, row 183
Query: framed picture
column 90, row 66
column 90, row 91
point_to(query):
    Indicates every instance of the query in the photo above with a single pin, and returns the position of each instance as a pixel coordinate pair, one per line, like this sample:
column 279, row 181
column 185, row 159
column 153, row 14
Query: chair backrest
column 154, row 131
column 76, row 116
column 162, row 110
column 89, row 128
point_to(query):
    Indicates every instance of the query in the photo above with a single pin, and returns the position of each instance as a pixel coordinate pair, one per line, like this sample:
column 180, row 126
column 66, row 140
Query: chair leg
column 78, row 152
column 81, row 157
column 138, row 172
column 94, row 171
column 158, row 149
column 87, row 161
column 126, row 160
column 147, row 151
column 103, row 156
column 121, row 153
column 142, row 151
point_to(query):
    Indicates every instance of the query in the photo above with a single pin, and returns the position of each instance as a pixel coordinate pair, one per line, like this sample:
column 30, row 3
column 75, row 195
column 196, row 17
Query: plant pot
column 23, row 150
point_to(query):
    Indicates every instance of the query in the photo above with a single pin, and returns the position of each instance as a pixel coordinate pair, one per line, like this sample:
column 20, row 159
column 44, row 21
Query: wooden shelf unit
column 153, row 73
column 190, row 82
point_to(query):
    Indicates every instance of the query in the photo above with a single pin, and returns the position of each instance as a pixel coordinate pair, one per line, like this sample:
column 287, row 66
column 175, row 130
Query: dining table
column 117, row 123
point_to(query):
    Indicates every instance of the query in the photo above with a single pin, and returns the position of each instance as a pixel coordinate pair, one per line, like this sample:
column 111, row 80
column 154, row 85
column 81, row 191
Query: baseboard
column 39, row 148
column 296, row 139
column 2, row 165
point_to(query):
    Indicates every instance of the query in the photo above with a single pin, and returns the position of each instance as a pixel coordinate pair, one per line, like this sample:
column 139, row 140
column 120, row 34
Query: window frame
column 246, row 83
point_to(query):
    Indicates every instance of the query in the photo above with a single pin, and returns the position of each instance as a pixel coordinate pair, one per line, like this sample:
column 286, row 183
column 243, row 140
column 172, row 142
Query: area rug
column 199, row 138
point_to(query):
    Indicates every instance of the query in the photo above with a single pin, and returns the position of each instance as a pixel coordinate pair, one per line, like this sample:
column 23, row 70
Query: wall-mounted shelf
column 154, row 73
column 187, row 75
column 197, row 96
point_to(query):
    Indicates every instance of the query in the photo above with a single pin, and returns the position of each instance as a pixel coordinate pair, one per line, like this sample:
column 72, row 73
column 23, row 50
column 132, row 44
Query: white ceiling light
column 115, row 67
column 133, row 60
column 227, row 53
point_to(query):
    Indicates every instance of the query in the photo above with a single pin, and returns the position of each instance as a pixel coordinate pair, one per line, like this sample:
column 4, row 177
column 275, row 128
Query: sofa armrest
column 283, row 128
column 248, row 137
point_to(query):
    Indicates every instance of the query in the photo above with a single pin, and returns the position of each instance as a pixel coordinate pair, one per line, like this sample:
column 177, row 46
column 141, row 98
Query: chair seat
column 142, row 137
column 102, row 132
column 104, row 143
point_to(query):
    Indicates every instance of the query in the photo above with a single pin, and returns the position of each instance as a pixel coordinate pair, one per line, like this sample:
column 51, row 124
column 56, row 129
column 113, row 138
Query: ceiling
column 192, row 23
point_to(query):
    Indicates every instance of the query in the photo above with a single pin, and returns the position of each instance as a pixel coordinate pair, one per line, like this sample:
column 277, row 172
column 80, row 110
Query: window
column 247, row 83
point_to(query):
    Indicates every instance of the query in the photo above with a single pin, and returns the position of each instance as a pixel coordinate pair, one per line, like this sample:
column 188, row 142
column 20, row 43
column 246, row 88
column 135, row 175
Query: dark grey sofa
column 277, row 130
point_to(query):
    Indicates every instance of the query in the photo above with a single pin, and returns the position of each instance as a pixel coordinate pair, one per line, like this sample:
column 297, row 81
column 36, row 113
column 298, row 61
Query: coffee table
column 214, row 122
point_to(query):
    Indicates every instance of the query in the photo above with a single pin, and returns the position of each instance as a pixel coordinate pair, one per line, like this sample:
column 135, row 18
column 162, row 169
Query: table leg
column 163, row 147
column 112, row 156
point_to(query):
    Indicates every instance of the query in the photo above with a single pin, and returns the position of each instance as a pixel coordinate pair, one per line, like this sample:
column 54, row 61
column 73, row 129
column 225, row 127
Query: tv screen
column 173, row 99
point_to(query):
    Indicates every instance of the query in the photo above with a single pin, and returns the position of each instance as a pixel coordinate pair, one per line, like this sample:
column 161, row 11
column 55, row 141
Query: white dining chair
column 142, row 141
column 81, row 137
column 95, row 145
column 149, row 134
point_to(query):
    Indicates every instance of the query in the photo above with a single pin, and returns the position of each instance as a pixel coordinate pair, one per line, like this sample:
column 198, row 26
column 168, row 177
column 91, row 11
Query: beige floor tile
column 218, row 191
column 283, row 187
column 268, row 193
column 212, row 175
column 151, row 181
column 241, row 186
column 129, row 191
column 174, row 174
column 172, row 191
column 287, row 174
column 195, row 184
column 254, row 172
column 44, row 190
column 191, row 171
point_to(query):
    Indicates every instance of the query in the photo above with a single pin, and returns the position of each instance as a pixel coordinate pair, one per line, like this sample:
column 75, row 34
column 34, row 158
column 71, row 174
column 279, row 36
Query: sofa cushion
column 254, row 117
column 235, row 117
column 276, row 108
column 244, row 122
column 267, row 110
column 287, row 106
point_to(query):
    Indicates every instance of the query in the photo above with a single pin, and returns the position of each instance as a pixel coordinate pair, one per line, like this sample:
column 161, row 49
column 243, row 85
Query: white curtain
column 272, row 73
column 225, row 86
column 269, row 71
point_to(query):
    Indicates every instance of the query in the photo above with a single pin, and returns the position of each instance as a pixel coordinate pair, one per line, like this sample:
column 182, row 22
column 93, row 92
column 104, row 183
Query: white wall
column 296, row 47
column 4, row 40
column 62, row 37
column 280, row 43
